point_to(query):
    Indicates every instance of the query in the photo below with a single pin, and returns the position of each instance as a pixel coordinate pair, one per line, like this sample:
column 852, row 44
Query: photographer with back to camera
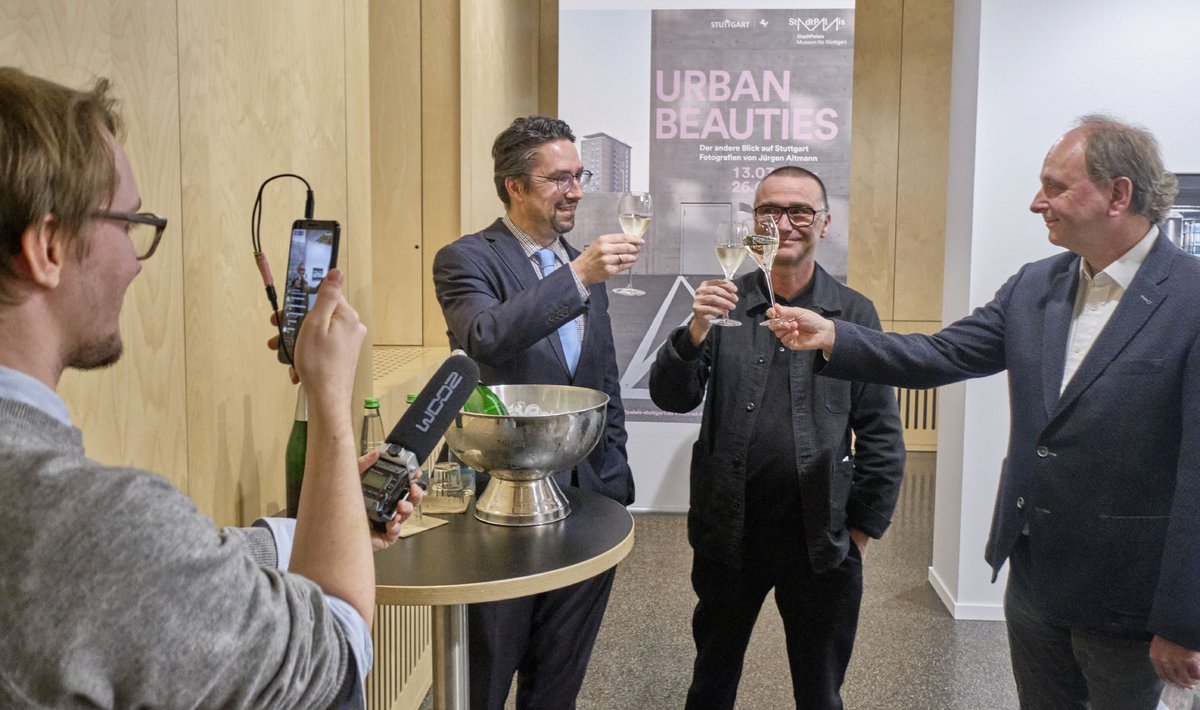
column 115, row 591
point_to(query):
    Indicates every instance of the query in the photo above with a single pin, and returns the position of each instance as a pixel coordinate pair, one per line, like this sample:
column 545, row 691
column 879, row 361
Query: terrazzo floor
column 909, row 655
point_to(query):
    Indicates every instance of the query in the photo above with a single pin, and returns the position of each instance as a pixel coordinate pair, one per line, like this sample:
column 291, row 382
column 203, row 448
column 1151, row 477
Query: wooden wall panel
column 874, row 150
column 548, row 58
column 899, row 155
column 256, row 102
column 898, row 174
column 58, row 39
column 358, row 233
column 506, row 68
column 923, row 159
column 441, row 186
column 398, row 267
column 131, row 414
column 499, row 82
column 262, row 91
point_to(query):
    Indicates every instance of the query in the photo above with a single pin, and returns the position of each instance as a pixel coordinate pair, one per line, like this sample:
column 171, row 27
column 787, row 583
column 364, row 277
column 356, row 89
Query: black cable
column 260, row 257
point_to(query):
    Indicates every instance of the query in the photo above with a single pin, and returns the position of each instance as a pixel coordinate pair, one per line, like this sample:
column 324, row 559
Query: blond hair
column 55, row 159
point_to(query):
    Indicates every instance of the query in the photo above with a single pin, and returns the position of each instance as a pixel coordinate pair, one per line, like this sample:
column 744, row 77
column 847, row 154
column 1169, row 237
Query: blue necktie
column 569, row 332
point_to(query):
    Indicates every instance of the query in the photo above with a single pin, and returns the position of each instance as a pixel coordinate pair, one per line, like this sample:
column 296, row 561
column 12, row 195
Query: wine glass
column 762, row 242
column 731, row 249
column 633, row 212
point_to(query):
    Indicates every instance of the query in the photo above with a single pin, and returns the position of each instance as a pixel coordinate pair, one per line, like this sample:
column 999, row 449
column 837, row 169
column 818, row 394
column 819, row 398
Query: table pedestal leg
column 450, row 662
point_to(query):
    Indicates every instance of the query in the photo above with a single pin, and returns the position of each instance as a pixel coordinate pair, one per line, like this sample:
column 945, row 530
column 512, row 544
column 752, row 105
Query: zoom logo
column 453, row 380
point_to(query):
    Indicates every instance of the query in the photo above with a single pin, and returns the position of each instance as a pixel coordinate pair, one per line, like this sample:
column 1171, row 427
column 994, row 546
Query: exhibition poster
column 696, row 105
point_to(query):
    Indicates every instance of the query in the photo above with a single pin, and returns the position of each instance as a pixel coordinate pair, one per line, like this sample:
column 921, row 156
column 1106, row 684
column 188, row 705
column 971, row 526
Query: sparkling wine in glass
column 761, row 243
column 731, row 249
column 633, row 212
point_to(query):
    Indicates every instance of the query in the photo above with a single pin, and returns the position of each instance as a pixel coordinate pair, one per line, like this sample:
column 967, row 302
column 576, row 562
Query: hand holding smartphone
column 311, row 254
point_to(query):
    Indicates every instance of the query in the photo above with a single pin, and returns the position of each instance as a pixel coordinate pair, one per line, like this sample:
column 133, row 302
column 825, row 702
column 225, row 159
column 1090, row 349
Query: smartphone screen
column 311, row 254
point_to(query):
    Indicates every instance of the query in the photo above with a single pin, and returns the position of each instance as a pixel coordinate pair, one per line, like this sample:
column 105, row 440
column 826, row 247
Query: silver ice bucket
column 521, row 451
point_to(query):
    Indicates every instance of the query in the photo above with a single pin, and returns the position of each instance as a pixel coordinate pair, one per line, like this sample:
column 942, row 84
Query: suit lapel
column 1141, row 300
column 509, row 250
column 1060, row 302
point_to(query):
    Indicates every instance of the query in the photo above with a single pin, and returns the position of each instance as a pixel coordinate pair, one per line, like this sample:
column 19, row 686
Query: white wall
column 1039, row 66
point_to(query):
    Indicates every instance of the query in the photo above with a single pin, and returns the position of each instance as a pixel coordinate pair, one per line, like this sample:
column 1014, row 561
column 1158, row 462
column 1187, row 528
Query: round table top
column 469, row 561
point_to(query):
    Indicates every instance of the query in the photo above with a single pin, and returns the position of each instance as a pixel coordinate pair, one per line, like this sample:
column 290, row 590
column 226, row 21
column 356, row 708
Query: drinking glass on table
column 761, row 243
column 731, row 249
column 446, row 480
column 633, row 212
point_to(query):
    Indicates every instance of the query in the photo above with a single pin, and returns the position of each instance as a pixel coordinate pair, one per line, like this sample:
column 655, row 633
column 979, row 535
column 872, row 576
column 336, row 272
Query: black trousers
column 545, row 640
column 819, row 612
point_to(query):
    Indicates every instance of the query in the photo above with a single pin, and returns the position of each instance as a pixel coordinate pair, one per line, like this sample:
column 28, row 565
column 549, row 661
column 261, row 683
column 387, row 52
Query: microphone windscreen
column 434, row 409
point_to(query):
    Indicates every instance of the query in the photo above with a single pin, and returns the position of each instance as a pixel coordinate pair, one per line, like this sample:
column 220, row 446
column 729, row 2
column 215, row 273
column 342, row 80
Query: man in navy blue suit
column 530, row 308
column 1099, row 503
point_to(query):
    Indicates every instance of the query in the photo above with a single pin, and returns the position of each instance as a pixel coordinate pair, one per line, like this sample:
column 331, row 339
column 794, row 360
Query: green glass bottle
column 484, row 401
column 294, row 458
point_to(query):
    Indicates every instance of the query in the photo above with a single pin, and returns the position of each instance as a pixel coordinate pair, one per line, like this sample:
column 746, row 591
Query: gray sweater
column 115, row 592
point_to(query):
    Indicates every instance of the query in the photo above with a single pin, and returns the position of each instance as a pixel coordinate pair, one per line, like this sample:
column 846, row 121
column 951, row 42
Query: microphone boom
column 411, row 441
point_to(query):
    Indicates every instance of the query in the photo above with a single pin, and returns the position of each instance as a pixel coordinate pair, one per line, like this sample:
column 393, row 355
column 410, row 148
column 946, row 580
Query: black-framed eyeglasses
column 798, row 215
column 564, row 180
column 144, row 229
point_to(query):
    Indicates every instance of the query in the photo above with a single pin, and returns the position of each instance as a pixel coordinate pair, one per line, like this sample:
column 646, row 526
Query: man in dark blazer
column 1099, row 502
column 530, row 308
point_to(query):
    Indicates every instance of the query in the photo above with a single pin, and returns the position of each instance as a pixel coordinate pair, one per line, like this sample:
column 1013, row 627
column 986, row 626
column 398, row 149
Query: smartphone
column 312, row 253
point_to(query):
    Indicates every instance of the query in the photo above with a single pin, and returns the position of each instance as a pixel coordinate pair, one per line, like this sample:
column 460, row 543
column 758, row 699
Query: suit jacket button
column 1043, row 452
column 750, row 407
column 1020, row 502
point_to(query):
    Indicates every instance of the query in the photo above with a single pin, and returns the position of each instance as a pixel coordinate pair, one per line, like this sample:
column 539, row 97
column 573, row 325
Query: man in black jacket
column 778, row 491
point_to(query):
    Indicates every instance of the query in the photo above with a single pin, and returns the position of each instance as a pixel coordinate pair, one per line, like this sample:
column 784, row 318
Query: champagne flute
column 762, row 242
column 731, row 249
column 633, row 212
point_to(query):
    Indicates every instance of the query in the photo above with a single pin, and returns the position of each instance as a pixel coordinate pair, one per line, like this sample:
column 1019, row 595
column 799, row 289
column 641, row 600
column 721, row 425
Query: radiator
column 403, row 670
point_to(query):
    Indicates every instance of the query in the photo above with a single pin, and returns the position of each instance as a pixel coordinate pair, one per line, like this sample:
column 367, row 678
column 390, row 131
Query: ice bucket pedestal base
column 522, row 503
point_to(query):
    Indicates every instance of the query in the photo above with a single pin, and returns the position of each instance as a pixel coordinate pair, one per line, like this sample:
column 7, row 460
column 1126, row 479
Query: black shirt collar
column 822, row 293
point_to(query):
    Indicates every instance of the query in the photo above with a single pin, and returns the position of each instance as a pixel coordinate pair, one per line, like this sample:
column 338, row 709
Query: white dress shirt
column 1097, row 299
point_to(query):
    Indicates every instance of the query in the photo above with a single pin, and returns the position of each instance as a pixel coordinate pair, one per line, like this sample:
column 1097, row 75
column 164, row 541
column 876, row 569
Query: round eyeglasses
column 564, row 181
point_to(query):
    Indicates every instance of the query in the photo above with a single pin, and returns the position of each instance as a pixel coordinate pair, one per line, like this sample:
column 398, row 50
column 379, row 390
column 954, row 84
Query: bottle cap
column 371, row 403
